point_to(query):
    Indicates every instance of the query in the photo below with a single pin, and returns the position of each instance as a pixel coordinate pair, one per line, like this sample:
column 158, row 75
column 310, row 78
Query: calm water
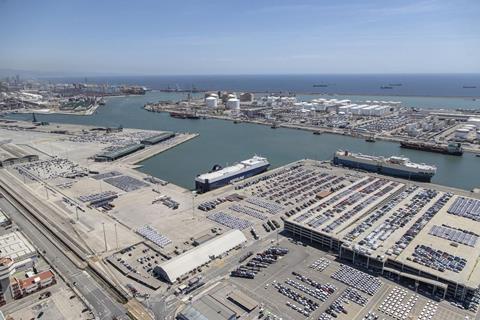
column 223, row 142
column 439, row 85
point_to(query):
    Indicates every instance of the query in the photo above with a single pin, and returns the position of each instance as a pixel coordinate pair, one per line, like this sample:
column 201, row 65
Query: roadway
column 103, row 305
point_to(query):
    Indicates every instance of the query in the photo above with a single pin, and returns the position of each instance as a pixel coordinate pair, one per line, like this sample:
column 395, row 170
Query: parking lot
column 301, row 278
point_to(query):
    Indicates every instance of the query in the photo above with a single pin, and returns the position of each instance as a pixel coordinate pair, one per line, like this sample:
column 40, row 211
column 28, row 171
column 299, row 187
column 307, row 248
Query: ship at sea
column 394, row 166
column 454, row 149
column 219, row 177
column 181, row 115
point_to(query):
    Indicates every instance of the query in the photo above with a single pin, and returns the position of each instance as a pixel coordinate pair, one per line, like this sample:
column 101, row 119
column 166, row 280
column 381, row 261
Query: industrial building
column 15, row 246
column 158, row 138
column 207, row 308
column 118, row 153
column 423, row 237
column 11, row 154
column 187, row 262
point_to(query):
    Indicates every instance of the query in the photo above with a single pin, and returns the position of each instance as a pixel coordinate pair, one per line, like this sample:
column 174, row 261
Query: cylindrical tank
column 233, row 104
column 462, row 133
column 211, row 102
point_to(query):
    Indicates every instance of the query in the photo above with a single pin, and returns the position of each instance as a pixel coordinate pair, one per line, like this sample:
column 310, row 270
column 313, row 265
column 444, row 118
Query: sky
column 240, row 36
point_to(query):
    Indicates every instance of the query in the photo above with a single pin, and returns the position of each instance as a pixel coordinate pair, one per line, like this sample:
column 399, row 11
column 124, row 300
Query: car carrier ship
column 394, row 166
column 454, row 149
column 219, row 177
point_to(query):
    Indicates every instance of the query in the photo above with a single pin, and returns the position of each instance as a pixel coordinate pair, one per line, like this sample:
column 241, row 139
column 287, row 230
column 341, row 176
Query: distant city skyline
column 239, row 37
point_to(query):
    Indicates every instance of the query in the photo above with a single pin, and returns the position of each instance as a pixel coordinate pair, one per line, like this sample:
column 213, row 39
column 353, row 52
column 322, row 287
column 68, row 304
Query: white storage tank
column 462, row 133
column 233, row 104
column 469, row 127
column 474, row 121
column 211, row 102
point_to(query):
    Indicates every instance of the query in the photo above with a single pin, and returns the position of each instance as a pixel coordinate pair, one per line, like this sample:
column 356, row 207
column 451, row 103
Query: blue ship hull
column 418, row 176
column 207, row 185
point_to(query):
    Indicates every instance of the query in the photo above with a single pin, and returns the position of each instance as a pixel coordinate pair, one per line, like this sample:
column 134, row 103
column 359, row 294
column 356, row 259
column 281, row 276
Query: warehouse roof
column 120, row 152
column 207, row 308
column 9, row 151
column 158, row 138
column 190, row 260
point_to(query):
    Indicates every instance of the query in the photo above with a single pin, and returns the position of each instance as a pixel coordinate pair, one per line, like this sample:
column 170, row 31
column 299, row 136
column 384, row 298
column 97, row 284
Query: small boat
column 370, row 139
column 317, row 132
column 477, row 155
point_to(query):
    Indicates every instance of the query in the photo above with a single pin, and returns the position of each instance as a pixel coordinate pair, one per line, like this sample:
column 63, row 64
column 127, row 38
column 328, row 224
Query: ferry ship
column 394, row 166
column 220, row 177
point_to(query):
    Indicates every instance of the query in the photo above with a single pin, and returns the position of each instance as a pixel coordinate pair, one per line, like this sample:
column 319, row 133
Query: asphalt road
column 105, row 307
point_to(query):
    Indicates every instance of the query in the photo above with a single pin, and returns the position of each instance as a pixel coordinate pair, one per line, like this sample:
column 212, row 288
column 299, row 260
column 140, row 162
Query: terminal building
column 11, row 154
column 424, row 237
column 180, row 266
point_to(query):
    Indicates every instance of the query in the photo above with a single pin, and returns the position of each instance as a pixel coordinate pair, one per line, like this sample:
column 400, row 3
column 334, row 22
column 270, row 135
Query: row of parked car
column 357, row 279
column 260, row 261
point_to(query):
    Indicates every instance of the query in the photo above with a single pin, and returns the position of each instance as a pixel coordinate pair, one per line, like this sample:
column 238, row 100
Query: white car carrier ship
column 220, row 177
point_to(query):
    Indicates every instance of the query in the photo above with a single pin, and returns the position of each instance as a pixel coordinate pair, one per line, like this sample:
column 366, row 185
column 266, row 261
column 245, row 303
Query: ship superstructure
column 220, row 177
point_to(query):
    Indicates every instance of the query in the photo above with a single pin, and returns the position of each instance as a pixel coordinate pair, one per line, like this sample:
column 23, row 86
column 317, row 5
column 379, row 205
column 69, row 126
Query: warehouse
column 423, row 237
column 11, row 154
column 158, row 138
column 207, row 308
column 118, row 153
column 185, row 263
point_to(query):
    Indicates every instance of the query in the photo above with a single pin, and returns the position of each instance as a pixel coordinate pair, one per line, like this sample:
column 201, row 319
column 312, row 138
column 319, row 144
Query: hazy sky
column 240, row 36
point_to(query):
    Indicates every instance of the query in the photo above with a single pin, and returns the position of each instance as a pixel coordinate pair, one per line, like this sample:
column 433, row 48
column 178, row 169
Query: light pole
column 116, row 236
column 104, row 236
column 194, row 194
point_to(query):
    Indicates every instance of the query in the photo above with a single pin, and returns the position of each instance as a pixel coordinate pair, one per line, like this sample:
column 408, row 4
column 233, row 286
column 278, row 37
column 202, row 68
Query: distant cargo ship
column 320, row 85
column 386, row 87
column 394, row 166
column 454, row 149
column 220, row 177
column 180, row 115
column 395, row 84
column 133, row 90
column 469, row 87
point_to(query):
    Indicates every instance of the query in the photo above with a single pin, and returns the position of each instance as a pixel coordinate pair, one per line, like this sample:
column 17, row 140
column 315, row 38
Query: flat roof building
column 207, row 308
column 423, row 235
column 158, row 138
column 187, row 262
column 15, row 246
column 118, row 153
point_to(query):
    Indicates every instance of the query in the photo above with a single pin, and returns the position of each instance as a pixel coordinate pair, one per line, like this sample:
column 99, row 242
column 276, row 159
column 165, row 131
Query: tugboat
column 370, row 139
column 317, row 132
